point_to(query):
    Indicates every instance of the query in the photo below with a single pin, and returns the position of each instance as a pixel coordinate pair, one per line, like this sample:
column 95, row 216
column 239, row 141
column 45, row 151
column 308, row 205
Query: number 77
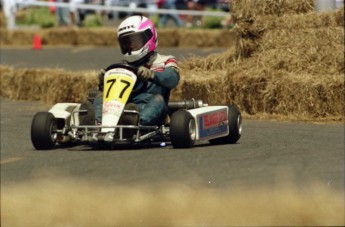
column 113, row 81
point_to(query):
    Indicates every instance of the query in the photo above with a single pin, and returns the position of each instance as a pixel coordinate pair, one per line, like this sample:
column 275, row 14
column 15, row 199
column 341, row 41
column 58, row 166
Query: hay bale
column 266, row 92
column 60, row 36
column 251, row 8
column 48, row 85
column 200, row 85
column 299, row 21
column 3, row 21
column 306, row 38
column 297, row 61
column 68, row 202
column 107, row 37
column 209, row 63
column 287, row 94
column 96, row 37
column 16, row 37
column 278, row 66
column 4, row 37
column 282, row 38
column 269, row 92
column 312, row 51
column 205, row 38
column 168, row 37
column 289, row 27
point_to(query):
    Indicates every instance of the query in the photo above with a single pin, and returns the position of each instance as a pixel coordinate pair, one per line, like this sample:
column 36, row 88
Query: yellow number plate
column 117, row 87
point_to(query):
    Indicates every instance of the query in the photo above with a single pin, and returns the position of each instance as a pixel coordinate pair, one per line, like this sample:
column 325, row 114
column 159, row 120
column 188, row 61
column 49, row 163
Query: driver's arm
column 168, row 78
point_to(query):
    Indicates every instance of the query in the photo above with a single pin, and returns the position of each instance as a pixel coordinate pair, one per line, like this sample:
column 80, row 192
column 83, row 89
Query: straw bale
column 47, row 85
column 253, row 8
column 313, row 51
column 211, row 62
column 339, row 16
column 60, row 36
column 96, row 36
column 168, row 37
column 267, row 92
column 298, row 61
column 107, row 37
column 286, row 93
column 206, row 38
column 299, row 21
column 267, row 32
column 207, row 86
column 62, row 201
column 323, row 36
column 2, row 20
column 18, row 37
column 291, row 65
column 4, row 36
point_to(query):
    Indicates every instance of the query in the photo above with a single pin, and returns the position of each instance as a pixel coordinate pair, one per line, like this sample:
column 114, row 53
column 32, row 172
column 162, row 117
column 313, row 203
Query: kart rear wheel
column 235, row 127
column 43, row 131
column 182, row 129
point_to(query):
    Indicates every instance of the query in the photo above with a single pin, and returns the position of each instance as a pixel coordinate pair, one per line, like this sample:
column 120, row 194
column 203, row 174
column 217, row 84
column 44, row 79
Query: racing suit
column 152, row 103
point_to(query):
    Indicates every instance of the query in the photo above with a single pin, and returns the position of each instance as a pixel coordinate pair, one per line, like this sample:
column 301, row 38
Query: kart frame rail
column 92, row 133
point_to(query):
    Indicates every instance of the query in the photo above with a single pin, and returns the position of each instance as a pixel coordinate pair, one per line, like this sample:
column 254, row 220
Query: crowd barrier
column 10, row 9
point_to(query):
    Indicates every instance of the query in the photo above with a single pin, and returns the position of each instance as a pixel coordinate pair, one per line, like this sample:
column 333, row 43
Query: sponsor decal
column 213, row 123
column 126, row 27
column 213, row 119
column 112, row 108
column 120, row 72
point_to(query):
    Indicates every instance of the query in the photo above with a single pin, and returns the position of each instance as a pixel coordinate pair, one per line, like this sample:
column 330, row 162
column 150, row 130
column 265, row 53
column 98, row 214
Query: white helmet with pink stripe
column 137, row 38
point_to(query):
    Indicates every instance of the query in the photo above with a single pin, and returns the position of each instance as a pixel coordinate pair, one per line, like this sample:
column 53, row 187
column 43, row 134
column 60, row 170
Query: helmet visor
column 134, row 41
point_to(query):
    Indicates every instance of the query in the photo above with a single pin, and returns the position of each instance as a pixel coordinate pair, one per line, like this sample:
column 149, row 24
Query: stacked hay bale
column 47, row 85
column 289, row 60
column 2, row 20
column 60, row 37
column 106, row 36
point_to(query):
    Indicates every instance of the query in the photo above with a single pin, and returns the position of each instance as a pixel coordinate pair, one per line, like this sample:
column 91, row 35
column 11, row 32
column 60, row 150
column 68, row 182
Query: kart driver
column 138, row 41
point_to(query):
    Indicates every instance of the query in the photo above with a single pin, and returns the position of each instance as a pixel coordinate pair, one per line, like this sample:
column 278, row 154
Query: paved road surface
column 267, row 152
column 82, row 58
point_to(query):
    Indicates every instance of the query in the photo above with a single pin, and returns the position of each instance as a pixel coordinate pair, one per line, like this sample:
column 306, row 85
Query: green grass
column 37, row 16
column 92, row 21
column 212, row 22
column 45, row 19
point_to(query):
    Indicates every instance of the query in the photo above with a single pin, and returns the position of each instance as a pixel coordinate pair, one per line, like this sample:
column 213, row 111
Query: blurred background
column 97, row 13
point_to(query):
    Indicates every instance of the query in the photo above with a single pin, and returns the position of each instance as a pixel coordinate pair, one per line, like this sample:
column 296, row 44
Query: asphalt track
column 268, row 153
column 82, row 58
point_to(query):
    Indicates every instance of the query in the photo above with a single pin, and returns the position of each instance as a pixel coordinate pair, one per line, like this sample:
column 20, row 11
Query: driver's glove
column 144, row 74
column 101, row 79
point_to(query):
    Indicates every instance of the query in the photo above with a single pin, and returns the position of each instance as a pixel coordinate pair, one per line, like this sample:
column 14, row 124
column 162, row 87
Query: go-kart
column 188, row 122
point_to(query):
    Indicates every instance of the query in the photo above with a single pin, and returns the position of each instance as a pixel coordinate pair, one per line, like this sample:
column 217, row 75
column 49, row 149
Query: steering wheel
column 139, row 86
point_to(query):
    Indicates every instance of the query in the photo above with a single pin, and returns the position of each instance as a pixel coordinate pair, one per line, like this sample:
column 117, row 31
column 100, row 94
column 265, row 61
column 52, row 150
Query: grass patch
column 93, row 21
column 36, row 16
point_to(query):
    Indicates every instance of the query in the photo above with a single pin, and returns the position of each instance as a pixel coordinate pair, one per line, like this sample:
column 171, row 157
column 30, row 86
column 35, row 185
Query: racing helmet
column 137, row 38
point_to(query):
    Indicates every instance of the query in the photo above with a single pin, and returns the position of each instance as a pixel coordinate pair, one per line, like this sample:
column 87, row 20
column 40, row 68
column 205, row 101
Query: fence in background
column 10, row 9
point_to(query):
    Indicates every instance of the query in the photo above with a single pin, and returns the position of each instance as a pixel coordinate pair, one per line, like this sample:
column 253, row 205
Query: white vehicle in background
column 191, row 121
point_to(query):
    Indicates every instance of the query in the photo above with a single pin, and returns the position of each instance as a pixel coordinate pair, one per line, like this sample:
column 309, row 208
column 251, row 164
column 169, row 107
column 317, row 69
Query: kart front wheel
column 43, row 131
column 235, row 127
column 182, row 129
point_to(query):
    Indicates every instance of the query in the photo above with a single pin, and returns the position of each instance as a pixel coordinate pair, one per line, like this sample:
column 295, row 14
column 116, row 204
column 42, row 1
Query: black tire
column 182, row 129
column 43, row 131
column 235, row 127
